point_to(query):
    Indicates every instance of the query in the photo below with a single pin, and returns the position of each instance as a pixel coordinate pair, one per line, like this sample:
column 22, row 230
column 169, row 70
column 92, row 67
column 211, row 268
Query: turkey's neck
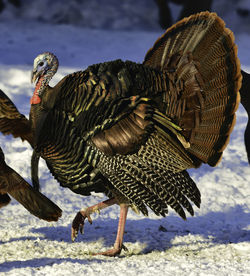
column 39, row 89
column 42, row 84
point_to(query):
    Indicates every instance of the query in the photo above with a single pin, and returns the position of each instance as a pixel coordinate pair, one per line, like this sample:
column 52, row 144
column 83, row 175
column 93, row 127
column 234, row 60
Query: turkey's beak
column 34, row 76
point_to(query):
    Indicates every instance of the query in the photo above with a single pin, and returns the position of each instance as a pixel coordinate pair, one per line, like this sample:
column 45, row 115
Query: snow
column 216, row 241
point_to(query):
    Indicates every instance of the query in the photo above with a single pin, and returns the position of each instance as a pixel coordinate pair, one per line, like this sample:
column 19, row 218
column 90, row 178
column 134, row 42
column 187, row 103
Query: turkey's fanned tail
column 200, row 57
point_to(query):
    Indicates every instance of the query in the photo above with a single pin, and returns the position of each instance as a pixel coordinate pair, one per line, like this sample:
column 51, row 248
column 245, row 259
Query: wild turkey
column 245, row 100
column 35, row 202
column 131, row 130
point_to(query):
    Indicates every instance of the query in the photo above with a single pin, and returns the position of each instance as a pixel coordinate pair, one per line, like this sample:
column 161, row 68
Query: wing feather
column 12, row 121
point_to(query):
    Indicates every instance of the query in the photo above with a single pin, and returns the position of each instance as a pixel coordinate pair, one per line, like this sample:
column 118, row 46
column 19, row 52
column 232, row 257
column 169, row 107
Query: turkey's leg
column 78, row 222
column 118, row 246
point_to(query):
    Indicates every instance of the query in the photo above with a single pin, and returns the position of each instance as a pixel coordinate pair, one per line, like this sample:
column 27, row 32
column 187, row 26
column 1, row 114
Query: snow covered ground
column 216, row 241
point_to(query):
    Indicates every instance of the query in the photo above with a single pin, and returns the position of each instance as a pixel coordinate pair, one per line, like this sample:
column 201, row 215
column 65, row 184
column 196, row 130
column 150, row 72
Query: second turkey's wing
column 35, row 202
column 12, row 121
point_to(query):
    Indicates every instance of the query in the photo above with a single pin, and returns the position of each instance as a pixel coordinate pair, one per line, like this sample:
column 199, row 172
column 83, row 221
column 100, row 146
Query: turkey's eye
column 41, row 63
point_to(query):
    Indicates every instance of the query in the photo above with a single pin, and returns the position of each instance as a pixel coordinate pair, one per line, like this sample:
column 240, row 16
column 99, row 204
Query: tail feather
column 200, row 58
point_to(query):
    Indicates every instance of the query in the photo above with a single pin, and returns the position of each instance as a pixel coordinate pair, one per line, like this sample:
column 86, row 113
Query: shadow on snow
column 156, row 234
column 38, row 262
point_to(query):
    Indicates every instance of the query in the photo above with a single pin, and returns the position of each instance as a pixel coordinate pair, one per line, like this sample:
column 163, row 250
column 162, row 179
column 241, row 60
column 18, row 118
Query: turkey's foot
column 78, row 222
column 115, row 251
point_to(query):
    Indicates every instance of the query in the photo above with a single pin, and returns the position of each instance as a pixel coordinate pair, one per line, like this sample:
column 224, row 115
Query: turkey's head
column 45, row 67
column 45, row 64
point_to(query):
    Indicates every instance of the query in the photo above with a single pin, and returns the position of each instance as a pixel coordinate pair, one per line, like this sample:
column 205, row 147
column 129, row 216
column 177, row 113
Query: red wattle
column 35, row 98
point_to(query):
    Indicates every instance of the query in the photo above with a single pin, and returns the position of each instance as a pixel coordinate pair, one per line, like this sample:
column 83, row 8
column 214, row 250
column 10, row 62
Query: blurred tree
column 189, row 7
column 165, row 17
column 15, row 3
column 243, row 12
